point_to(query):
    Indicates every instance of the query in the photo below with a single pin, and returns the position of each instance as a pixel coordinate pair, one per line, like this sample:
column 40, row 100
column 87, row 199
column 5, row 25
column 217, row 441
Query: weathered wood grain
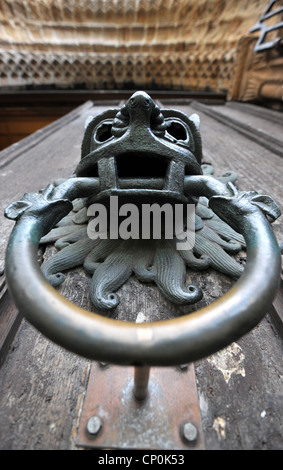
column 245, row 412
column 268, row 136
column 10, row 319
column 240, row 393
column 258, row 168
column 34, row 162
column 31, row 164
column 264, row 120
column 276, row 311
column 41, row 388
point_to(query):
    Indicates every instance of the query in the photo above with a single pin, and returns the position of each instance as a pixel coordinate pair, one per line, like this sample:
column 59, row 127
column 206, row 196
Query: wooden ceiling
column 114, row 44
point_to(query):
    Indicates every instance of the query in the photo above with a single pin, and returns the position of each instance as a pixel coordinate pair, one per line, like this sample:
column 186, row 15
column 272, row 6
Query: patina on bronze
column 141, row 154
column 141, row 130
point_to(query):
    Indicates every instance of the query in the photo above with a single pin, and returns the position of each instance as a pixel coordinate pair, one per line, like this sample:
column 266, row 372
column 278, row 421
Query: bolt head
column 190, row 432
column 94, row 425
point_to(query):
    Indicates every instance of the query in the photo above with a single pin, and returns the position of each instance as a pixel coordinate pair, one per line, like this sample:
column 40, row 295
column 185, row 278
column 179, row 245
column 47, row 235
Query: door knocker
column 132, row 159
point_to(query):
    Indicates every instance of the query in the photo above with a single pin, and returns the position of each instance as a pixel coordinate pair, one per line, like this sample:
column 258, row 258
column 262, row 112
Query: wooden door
column 239, row 389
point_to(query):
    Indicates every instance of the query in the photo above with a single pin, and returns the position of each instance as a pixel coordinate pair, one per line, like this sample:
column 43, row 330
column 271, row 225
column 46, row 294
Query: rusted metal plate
column 168, row 414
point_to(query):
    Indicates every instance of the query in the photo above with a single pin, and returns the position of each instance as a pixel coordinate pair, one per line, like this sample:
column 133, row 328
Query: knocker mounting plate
column 169, row 418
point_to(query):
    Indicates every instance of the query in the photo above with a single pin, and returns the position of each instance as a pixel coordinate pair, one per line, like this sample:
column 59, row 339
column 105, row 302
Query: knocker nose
column 144, row 116
column 140, row 99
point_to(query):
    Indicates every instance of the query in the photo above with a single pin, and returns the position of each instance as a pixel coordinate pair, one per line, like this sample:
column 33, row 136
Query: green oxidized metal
column 143, row 154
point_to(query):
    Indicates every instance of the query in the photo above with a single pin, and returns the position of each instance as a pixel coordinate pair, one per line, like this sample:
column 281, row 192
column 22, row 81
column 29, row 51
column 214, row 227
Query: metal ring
column 165, row 343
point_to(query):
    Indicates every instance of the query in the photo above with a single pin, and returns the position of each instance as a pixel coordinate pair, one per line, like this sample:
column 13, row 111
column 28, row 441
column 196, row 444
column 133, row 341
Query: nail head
column 94, row 425
column 190, row 432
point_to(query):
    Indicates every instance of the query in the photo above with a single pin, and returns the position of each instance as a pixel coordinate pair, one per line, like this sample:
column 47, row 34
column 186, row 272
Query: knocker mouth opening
column 139, row 165
column 145, row 165
column 144, row 178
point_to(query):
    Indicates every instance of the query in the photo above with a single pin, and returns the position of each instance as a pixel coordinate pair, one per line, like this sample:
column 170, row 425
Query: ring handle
column 164, row 343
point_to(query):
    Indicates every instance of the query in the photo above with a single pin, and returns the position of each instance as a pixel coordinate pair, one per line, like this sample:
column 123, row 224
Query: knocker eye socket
column 178, row 131
column 103, row 132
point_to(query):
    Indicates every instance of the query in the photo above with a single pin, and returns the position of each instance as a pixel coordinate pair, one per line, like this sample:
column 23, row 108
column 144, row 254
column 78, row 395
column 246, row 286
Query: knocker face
column 140, row 142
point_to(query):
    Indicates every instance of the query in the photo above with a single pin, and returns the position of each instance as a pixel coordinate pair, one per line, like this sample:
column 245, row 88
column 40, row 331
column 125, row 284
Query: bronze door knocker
column 138, row 156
